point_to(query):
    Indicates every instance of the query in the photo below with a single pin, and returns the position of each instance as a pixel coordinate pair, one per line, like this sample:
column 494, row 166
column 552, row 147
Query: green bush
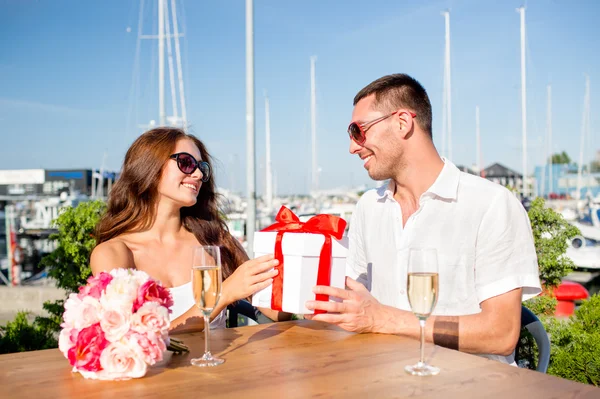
column 551, row 233
column 550, row 236
column 20, row 336
column 575, row 352
column 575, row 343
column 68, row 265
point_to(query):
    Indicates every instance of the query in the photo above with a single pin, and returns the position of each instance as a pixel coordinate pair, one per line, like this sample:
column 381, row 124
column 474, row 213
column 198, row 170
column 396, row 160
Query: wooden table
column 293, row 359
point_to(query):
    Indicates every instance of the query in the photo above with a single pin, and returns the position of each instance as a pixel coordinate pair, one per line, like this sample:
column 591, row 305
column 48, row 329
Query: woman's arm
column 248, row 278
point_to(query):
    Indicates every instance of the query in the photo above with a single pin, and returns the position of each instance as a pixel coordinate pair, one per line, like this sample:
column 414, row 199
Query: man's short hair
column 400, row 91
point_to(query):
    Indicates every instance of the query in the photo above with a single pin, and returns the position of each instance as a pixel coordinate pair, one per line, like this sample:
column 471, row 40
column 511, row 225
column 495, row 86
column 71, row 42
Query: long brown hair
column 133, row 199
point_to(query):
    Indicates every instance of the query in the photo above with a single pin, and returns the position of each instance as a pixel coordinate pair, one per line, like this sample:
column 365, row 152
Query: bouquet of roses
column 116, row 326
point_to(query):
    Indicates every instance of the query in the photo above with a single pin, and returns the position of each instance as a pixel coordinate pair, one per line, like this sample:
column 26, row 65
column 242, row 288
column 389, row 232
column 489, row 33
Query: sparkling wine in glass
column 423, row 289
column 206, row 283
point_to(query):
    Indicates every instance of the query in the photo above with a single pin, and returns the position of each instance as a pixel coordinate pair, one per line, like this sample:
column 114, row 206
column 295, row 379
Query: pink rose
column 152, row 291
column 115, row 324
column 95, row 286
column 90, row 343
column 149, row 346
column 120, row 362
column 151, row 317
column 67, row 339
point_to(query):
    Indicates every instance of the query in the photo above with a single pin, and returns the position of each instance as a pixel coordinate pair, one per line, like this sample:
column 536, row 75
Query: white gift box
column 301, row 264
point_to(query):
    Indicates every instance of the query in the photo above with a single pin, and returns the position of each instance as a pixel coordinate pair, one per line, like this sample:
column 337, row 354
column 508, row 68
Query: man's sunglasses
column 188, row 164
column 358, row 131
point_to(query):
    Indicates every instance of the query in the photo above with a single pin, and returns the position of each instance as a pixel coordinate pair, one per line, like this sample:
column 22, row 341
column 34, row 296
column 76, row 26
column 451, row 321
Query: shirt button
column 402, row 292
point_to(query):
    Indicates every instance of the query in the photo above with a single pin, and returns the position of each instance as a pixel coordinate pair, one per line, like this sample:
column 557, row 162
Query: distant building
column 564, row 181
column 466, row 169
column 503, row 175
column 30, row 183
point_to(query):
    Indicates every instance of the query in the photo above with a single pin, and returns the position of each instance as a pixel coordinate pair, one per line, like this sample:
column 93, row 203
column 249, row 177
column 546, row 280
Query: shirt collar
column 445, row 186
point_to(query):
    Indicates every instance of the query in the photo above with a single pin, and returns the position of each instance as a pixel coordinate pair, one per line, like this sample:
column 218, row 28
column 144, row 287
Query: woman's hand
column 249, row 278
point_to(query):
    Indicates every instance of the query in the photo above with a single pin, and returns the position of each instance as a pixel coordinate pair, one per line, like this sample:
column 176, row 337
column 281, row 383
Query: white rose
column 121, row 362
column 120, row 293
column 71, row 309
column 82, row 313
column 120, row 273
column 138, row 276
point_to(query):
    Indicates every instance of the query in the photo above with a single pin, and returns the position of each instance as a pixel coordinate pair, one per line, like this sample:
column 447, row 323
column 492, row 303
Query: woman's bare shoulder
column 111, row 254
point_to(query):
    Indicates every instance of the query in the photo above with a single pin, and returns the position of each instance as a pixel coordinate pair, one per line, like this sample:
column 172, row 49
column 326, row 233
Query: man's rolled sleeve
column 505, row 254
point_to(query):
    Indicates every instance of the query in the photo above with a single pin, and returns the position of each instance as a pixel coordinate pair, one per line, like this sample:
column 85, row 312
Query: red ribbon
column 287, row 222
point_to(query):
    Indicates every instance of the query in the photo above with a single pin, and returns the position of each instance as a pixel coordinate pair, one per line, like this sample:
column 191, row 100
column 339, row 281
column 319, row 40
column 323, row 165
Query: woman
column 163, row 205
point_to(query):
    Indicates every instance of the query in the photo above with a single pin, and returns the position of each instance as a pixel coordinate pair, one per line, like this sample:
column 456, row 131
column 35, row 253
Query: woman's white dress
column 183, row 300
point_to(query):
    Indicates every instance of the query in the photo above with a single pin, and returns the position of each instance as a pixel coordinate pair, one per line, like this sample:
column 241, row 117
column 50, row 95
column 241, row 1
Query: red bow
column 327, row 225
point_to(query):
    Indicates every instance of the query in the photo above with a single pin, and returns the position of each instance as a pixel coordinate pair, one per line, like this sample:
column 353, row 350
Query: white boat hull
column 585, row 257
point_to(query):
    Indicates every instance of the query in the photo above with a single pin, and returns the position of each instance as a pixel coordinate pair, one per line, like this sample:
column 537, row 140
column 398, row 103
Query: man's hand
column 358, row 312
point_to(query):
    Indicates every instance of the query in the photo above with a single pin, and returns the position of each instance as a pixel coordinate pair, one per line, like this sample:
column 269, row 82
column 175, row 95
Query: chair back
column 535, row 327
column 243, row 308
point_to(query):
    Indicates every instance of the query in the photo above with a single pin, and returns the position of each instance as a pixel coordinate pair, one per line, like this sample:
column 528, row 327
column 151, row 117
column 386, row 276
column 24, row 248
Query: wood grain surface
column 296, row 359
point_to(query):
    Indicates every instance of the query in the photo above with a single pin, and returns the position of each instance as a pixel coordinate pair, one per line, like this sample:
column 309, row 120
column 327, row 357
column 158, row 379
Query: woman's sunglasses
column 188, row 164
column 358, row 131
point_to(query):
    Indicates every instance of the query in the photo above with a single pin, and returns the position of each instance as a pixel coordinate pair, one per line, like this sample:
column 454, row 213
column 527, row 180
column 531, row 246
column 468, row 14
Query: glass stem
column 422, row 324
column 206, row 329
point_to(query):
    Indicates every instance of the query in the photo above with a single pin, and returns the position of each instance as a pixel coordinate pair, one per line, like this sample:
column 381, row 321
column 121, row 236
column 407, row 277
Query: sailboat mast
column 313, row 124
column 588, row 127
column 584, row 133
column 448, row 86
column 444, row 117
column 161, row 62
column 179, row 69
column 477, row 141
column 269, row 184
column 521, row 11
column 549, row 127
column 250, row 140
column 168, row 37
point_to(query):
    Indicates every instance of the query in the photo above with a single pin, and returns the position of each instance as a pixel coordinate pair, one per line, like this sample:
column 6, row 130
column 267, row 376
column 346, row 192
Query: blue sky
column 66, row 70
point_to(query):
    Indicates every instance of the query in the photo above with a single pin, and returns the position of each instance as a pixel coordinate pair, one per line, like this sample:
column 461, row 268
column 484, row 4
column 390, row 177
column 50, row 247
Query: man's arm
column 494, row 331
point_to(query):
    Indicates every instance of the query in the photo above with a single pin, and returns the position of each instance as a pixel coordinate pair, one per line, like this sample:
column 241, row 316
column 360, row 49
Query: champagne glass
column 422, row 286
column 206, row 283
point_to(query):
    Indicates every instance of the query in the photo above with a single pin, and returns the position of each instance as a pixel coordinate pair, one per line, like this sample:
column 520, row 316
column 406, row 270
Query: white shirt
column 481, row 232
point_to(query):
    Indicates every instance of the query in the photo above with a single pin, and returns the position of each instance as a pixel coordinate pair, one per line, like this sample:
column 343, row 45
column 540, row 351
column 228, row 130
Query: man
column 486, row 256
